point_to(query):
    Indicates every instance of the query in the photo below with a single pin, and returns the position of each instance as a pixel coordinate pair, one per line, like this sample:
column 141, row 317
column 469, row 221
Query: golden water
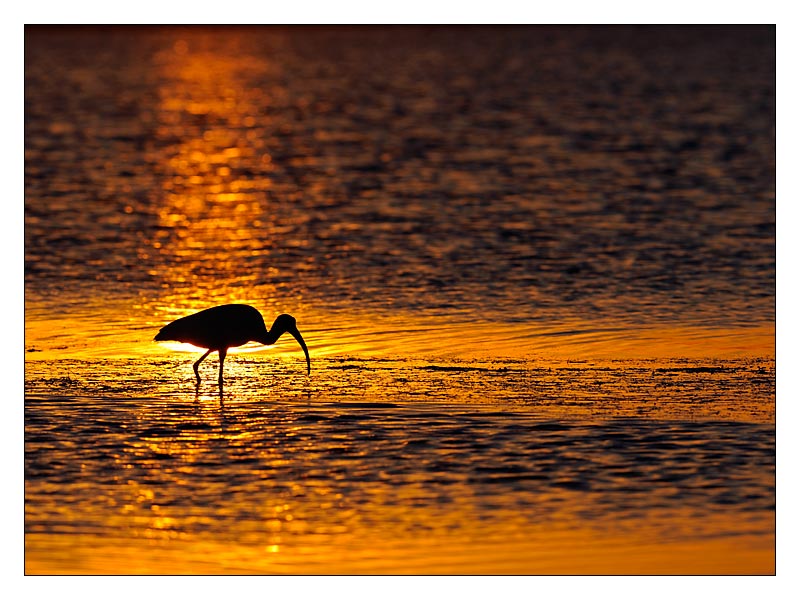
column 535, row 268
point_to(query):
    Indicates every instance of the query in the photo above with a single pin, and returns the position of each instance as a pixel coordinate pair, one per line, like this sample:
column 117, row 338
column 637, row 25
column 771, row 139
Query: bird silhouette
column 228, row 326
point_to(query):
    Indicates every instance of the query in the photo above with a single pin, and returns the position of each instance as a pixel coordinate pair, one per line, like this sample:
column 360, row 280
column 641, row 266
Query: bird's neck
column 270, row 337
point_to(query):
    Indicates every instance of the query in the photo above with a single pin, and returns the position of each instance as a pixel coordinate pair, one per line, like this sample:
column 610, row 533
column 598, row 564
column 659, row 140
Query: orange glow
column 438, row 432
column 181, row 347
column 210, row 212
column 110, row 331
column 125, row 331
column 547, row 550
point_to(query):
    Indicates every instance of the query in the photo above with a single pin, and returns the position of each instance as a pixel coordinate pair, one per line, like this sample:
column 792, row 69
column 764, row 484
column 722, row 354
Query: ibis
column 228, row 326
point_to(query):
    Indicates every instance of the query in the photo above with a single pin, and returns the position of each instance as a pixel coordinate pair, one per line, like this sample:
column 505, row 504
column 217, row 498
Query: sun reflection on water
column 215, row 216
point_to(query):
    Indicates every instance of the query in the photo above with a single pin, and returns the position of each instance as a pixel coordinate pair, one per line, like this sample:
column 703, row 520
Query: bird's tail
column 169, row 332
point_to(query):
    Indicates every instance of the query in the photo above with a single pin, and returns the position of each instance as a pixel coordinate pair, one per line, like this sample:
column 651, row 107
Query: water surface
column 536, row 176
column 535, row 268
column 402, row 467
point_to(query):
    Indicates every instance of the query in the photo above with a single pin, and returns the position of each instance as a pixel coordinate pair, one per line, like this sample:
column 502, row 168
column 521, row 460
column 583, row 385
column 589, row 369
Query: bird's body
column 228, row 326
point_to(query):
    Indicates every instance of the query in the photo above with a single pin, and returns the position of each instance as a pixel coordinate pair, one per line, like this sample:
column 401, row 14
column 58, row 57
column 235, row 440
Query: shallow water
column 535, row 268
column 402, row 467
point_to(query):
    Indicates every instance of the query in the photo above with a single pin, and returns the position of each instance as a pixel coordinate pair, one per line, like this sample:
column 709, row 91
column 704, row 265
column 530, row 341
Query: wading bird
column 228, row 326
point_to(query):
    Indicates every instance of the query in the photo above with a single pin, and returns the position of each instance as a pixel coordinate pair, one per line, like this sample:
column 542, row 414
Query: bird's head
column 288, row 324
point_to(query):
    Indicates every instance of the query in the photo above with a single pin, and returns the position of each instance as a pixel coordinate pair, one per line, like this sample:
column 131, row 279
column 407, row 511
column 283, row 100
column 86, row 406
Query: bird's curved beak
column 296, row 335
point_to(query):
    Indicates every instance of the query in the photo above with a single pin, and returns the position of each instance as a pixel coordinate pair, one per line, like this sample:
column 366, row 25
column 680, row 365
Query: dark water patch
column 454, row 369
column 550, row 426
column 313, row 418
column 692, row 370
column 194, row 426
column 158, row 432
column 575, row 485
column 368, row 405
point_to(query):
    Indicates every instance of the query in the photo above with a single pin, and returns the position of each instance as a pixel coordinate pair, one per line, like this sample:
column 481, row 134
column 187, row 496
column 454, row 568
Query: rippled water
column 400, row 467
column 535, row 268
column 505, row 174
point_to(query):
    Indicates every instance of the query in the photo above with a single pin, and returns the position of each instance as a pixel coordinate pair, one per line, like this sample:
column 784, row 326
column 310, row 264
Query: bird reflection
column 228, row 326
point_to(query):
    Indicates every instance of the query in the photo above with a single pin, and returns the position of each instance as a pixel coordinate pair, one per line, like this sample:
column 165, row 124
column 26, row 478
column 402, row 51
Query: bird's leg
column 222, row 353
column 197, row 364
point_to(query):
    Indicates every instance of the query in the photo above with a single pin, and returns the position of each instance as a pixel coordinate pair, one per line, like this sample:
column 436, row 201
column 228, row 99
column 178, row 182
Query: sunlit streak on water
column 121, row 330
